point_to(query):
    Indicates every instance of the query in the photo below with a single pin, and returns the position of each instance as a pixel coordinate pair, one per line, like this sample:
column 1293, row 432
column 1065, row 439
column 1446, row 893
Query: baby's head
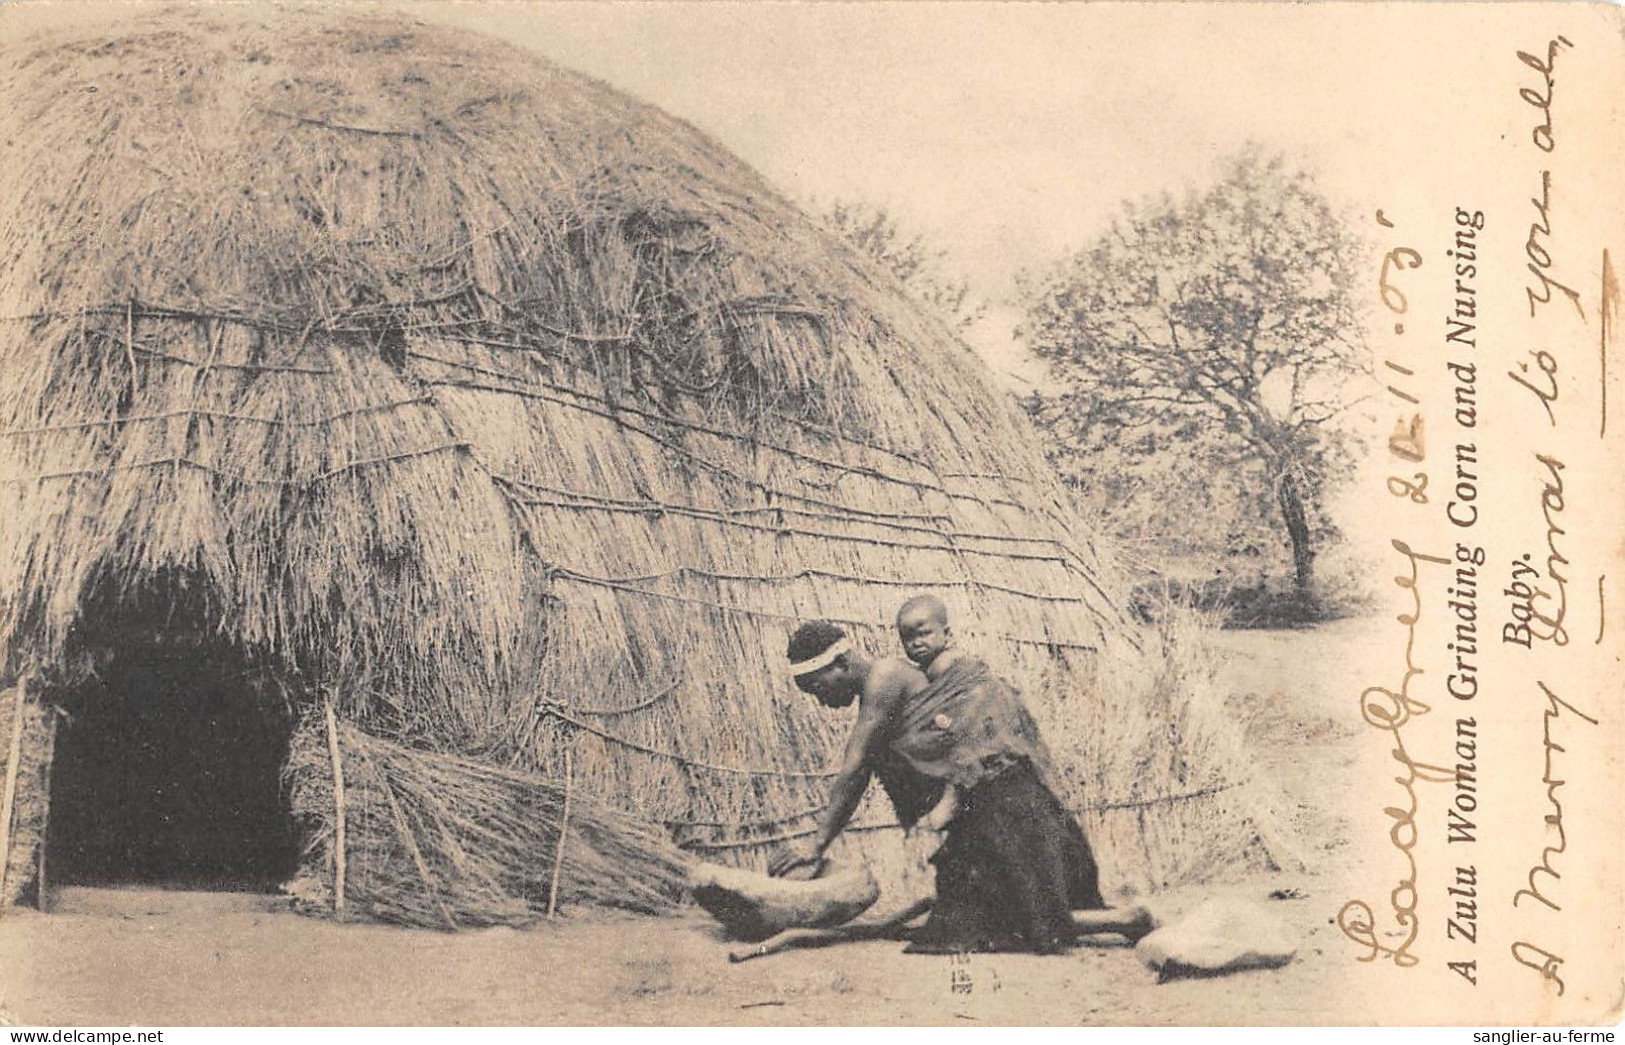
column 922, row 627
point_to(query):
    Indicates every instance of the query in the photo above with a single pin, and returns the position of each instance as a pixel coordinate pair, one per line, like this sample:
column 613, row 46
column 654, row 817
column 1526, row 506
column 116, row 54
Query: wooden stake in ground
column 51, row 725
column 564, row 826
column 13, row 766
column 338, row 807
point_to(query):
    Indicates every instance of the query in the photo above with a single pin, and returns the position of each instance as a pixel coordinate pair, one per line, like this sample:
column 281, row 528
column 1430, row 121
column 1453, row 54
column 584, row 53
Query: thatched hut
column 416, row 454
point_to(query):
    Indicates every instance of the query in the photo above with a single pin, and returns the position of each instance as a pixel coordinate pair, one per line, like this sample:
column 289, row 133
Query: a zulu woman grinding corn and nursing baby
column 955, row 749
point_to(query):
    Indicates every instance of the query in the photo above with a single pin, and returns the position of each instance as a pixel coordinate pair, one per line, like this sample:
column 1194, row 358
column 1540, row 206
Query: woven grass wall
column 515, row 416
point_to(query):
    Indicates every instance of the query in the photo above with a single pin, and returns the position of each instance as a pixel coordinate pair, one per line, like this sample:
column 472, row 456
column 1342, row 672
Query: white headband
column 820, row 660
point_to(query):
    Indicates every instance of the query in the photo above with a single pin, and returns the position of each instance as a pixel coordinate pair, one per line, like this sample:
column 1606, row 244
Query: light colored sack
column 1219, row 935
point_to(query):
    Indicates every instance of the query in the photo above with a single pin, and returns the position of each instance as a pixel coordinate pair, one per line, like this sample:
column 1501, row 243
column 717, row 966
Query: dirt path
column 145, row 957
column 116, row 957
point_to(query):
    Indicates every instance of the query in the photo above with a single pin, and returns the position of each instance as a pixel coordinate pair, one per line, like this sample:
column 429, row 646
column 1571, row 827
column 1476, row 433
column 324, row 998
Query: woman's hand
column 794, row 855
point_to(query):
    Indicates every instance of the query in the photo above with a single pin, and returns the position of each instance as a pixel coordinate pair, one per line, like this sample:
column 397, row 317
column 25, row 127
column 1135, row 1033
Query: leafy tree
column 1204, row 341
column 906, row 255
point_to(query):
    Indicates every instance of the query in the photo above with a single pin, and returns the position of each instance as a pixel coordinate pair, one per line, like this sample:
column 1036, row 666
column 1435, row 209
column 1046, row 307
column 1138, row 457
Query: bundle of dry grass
column 516, row 411
column 1176, row 752
column 431, row 839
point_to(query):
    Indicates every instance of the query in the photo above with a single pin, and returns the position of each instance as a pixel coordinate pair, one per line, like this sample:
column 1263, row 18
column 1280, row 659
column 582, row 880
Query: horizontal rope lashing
column 650, row 505
column 360, row 320
column 800, row 814
column 604, row 408
column 576, row 335
column 1141, row 803
column 140, row 348
column 490, row 342
column 128, row 310
column 185, row 462
column 746, row 843
column 660, row 695
column 332, row 473
column 614, row 504
column 260, row 368
column 987, row 475
column 391, row 310
column 606, row 582
column 620, row 422
column 520, row 384
column 947, row 548
column 839, row 511
column 255, row 321
column 789, row 578
column 647, row 507
column 820, row 431
column 765, row 488
column 1070, row 558
column 345, row 128
column 170, row 415
column 771, row 615
column 786, row 836
column 691, row 455
column 683, row 760
column 729, row 308
column 193, row 315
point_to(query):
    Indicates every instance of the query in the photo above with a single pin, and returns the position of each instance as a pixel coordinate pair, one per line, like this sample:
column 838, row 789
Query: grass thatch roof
column 512, row 412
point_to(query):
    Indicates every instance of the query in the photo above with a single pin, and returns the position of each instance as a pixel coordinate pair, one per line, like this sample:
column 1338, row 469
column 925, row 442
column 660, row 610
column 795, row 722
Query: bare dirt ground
column 151, row 957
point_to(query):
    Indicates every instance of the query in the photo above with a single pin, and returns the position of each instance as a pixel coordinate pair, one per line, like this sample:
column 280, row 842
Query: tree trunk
column 1289, row 494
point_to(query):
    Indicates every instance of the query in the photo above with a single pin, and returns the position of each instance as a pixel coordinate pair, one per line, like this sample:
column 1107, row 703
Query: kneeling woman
column 1015, row 864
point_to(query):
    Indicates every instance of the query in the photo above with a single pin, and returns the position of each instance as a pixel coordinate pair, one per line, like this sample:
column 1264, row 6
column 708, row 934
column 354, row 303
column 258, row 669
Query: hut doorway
column 168, row 770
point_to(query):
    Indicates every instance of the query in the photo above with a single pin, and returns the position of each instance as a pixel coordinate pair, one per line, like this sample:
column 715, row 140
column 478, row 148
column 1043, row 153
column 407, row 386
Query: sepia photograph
column 816, row 514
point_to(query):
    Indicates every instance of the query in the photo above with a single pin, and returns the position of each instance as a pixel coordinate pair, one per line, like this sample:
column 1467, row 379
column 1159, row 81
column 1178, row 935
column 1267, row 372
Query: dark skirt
column 1014, row 866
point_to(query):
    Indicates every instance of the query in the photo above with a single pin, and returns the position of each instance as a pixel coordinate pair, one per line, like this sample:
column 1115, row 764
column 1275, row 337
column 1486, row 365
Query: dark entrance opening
column 168, row 771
